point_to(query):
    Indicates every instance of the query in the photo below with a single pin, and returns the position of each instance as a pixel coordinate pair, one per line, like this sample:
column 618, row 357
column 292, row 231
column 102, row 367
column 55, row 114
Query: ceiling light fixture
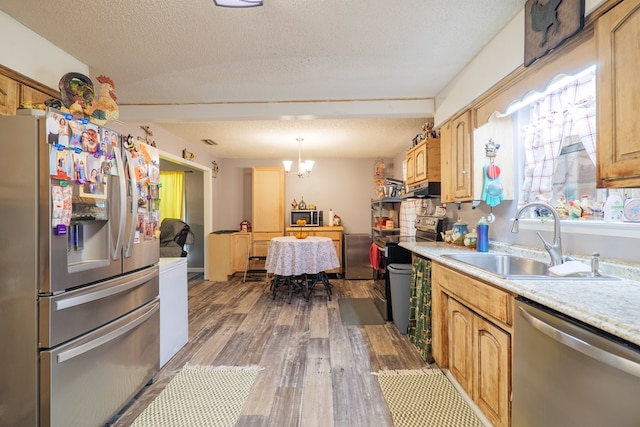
column 304, row 168
column 238, row 3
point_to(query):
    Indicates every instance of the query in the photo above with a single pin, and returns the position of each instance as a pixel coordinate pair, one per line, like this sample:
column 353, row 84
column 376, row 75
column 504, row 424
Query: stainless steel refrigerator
column 79, row 306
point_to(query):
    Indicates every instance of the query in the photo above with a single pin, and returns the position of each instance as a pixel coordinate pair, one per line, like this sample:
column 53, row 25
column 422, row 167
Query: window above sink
column 598, row 228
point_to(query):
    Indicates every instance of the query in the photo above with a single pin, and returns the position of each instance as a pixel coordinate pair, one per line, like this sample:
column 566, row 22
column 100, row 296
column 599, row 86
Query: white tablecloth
column 289, row 256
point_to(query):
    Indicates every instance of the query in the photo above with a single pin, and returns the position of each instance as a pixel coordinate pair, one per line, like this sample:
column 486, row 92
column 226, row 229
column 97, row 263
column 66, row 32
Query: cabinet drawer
column 265, row 236
column 483, row 297
column 333, row 235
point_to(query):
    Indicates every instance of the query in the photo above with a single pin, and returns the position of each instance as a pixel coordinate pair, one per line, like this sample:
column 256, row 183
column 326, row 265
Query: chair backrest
column 175, row 230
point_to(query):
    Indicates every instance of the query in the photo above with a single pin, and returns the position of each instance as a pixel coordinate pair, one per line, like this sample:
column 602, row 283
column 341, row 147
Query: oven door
column 378, row 261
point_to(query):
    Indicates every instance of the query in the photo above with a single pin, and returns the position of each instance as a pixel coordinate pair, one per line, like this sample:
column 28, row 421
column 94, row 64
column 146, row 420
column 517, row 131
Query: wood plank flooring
column 317, row 371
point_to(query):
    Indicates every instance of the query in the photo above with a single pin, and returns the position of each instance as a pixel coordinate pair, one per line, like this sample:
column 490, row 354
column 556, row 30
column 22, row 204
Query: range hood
column 426, row 189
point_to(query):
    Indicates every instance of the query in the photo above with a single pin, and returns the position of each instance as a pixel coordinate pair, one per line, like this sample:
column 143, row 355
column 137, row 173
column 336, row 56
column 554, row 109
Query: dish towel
column 373, row 256
column 568, row 268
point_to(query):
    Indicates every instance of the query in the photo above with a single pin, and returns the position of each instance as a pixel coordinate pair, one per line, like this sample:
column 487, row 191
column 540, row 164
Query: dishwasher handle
column 581, row 346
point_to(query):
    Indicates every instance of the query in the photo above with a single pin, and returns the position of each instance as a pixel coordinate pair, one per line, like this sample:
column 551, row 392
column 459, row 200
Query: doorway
column 197, row 206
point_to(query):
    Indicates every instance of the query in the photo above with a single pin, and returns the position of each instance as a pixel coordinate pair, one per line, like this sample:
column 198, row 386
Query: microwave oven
column 313, row 217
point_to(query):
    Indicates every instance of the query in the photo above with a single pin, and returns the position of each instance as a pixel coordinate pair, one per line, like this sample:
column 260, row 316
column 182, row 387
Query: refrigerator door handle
column 130, row 233
column 104, row 293
column 84, row 348
column 122, row 214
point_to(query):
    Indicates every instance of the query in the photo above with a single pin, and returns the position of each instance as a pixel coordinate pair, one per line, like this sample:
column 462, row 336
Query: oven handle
column 84, row 348
column 581, row 346
column 382, row 249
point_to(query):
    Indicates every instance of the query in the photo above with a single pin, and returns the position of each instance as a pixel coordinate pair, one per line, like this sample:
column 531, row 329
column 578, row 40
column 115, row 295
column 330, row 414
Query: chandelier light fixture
column 238, row 3
column 304, row 168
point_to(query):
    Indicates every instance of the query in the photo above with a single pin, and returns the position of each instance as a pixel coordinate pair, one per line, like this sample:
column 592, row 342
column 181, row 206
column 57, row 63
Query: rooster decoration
column 543, row 16
column 77, row 93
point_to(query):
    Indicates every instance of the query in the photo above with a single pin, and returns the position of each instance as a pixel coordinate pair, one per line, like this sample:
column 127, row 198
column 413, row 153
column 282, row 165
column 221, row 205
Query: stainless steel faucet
column 555, row 249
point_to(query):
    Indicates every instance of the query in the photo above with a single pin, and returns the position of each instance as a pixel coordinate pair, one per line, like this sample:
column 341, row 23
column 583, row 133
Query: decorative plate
column 631, row 210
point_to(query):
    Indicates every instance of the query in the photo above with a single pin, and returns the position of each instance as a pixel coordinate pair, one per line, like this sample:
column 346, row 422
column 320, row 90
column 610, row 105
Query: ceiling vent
column 209, row 141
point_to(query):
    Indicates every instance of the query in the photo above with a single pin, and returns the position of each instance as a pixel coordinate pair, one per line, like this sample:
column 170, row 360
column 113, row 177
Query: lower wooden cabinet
column 239, row 250
column 472, row 335
column 460, row 338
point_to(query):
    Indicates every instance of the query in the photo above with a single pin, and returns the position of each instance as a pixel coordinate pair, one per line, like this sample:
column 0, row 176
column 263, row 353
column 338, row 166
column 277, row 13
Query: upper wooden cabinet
column 446, row 180
column 617, row 34
column 423, row 162
column 29, row 94
column 268, row 200
column 16, row 88
column 9, row 96
column 456, row 159
column 433, row 160
column 417, row 164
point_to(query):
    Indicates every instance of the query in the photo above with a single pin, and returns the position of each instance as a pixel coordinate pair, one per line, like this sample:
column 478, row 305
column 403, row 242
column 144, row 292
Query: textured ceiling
column 292, row 68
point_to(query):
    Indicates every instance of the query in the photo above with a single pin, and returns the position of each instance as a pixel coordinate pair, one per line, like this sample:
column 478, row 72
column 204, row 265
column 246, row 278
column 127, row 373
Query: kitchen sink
column 517, row 268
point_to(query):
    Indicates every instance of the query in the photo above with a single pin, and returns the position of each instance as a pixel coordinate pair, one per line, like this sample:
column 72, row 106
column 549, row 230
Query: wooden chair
column 250, row 267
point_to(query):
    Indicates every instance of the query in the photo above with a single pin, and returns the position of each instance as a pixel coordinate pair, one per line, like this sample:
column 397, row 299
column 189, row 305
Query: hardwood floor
column 317, row 371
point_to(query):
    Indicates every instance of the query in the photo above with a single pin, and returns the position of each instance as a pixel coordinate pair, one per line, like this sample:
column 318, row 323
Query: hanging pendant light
column 238, row 3
column 304, row 168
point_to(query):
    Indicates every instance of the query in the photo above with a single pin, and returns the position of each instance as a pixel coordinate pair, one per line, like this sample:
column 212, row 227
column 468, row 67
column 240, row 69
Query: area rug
column 425, row 398
column 359, row 311
column 201, row 396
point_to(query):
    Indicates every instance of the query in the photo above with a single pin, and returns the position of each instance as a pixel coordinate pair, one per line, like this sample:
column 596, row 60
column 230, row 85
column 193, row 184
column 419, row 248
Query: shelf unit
column 380, row 208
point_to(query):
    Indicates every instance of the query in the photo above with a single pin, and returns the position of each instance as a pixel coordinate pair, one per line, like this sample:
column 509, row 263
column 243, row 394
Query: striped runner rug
column 201, row 396
column 425, row 398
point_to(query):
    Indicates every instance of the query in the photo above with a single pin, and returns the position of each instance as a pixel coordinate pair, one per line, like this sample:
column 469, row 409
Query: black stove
column 430, row 228
column 394, row 240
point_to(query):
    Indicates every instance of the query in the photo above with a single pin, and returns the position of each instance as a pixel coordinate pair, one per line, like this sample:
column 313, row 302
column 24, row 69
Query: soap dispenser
column 483, row 235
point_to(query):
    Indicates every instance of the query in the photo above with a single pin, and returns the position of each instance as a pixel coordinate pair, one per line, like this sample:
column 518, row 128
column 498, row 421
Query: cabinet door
column 8, row 96
column 491, row 348
column 446, row 152
column 239, row 251
column 420, row 156
column 433, row 160
column 461, row 156
column 617, row 34
column 411, row 167
column 29, row 94
column 438, row 318
column 460, row 336
column 268, row 199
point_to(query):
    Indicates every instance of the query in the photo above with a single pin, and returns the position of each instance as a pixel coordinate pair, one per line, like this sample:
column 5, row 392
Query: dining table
column 300, row 264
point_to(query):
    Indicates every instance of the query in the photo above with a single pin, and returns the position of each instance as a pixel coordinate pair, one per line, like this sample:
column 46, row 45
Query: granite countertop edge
column 611, row 306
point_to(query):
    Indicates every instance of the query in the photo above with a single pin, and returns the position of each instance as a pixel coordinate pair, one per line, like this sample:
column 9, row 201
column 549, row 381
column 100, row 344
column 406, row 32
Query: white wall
column 344, row 185
column 27, row 53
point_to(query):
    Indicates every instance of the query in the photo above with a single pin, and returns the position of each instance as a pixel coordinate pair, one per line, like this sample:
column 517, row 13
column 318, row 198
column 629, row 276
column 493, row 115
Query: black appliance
column 428, row 229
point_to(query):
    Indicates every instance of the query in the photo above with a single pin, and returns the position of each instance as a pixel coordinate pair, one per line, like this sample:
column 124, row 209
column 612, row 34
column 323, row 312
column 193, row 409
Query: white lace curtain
column 568, row 111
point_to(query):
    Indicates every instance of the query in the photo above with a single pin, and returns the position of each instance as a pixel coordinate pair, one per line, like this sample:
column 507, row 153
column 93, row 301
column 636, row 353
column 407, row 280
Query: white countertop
column 612, row 306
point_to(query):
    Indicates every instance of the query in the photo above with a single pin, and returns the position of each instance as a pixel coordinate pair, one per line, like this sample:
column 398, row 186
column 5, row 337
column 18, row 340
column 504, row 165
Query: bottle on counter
column 482, row 244
column 613, row 207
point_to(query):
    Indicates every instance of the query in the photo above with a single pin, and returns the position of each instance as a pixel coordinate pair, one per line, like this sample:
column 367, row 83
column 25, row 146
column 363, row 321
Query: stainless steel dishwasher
column 566, row 373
